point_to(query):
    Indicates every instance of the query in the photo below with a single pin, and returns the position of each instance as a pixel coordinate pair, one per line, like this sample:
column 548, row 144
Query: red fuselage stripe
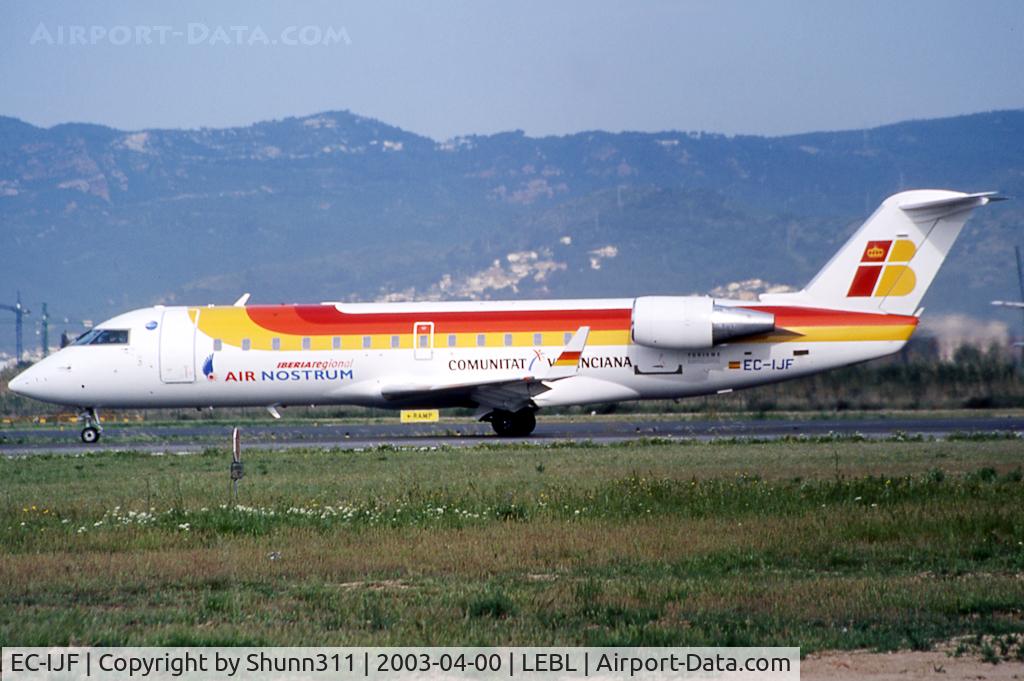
column 809, row 316
column 326, row 320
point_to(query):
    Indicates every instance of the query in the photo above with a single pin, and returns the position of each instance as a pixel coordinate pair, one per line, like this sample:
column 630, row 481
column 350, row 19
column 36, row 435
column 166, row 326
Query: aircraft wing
column 510, row 392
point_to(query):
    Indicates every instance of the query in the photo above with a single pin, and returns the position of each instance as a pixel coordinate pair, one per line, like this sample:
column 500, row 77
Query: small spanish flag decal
column 734, row 365
column 568, row 359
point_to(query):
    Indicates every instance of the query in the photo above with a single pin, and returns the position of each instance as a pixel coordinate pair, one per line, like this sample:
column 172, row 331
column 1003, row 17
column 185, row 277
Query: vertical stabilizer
column 889, row 263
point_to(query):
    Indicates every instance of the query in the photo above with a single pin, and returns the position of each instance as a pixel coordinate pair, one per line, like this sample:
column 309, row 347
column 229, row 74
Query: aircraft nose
column 17, row 384
column 29, row 383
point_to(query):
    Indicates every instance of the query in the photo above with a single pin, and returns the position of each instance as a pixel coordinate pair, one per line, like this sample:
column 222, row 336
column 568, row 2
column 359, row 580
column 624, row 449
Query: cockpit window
column 103, row 337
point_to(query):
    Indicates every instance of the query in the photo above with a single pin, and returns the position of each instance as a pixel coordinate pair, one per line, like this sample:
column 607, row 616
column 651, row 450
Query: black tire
column 502, row 423
column 509, row 424
column 525, row 421
column 90, row 435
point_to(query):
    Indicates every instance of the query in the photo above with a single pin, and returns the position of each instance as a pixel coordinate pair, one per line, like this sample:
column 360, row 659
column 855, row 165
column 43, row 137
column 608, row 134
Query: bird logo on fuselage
column 208, row 368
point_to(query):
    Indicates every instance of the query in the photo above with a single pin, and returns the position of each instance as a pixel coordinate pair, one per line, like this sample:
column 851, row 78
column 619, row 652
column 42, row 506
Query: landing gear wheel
column 501, row 421
column 513, row 424
column 92, row 429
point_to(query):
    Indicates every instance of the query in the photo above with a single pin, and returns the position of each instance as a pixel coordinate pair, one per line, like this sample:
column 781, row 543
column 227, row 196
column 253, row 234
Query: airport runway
column 193, row 437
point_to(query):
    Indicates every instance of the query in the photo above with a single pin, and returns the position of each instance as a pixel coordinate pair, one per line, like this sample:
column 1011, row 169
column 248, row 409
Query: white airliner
column 509, row 359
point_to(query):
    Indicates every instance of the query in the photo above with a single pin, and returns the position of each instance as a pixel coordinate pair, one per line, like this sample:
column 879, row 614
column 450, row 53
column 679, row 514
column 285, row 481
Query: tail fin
column 889, row 263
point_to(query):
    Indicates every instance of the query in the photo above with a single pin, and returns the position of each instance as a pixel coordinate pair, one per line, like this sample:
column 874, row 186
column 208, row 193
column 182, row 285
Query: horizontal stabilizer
column 938, row 207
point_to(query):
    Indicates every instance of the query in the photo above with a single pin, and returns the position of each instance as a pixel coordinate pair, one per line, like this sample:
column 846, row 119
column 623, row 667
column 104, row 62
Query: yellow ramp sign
column 421, row 415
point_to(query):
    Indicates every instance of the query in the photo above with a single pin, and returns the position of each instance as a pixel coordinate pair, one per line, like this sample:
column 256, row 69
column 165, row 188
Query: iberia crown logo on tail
column 885, row 278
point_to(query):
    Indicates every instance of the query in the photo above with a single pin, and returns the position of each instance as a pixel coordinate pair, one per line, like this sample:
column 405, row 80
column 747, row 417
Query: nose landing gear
column 92, row 429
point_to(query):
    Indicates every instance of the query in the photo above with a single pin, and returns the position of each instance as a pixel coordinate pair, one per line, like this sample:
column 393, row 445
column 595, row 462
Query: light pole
column 19, row 311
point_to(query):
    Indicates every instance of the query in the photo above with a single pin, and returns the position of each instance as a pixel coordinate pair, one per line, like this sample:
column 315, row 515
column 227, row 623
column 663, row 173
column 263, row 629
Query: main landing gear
column 92, row 429
column 512, row 424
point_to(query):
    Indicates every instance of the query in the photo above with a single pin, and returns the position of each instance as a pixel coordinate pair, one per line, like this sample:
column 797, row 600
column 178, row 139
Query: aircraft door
column 177, row 347
column 423, row 340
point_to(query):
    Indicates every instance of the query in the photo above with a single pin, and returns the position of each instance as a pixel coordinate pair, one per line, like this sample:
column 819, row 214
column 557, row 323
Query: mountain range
column 336, row 206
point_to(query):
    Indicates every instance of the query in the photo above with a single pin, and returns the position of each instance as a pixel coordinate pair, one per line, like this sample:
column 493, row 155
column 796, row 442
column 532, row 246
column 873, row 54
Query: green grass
column 822, row 544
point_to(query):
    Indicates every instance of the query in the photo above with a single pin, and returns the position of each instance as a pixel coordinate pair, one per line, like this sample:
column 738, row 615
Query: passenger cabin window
column 367, row 341
column 336, row 343
column 218, row 345
column 275, row 343
column 451, row 340
column 538, row 339
column 566, row 337
column 481, row 339
column 246, row 344
column 307, row 343
column 103, row 337
column 424, row 341
column 508, row 339
column 394, row 341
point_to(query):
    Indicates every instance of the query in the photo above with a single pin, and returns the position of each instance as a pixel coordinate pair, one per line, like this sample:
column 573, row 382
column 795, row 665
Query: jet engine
column 693, row 322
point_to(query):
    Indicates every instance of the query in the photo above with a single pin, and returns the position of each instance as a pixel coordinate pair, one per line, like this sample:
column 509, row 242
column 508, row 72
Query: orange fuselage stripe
column 609, row 326
column 327, row 320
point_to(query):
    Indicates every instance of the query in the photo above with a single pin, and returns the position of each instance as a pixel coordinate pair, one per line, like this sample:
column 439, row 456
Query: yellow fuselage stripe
column 835, row 334
column 231, row 326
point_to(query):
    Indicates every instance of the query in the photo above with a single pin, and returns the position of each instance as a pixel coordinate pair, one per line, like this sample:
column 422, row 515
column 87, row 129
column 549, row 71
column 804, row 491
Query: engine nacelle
column 693, row 322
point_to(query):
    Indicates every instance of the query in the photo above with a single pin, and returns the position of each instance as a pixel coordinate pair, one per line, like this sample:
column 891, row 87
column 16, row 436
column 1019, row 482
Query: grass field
column 825, row 544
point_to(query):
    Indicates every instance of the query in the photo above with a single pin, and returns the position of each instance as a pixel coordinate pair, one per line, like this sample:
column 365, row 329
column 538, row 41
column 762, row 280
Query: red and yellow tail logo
column 885, row 278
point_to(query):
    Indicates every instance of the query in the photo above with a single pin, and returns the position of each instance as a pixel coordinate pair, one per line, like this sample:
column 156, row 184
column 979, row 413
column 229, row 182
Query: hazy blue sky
column 448, row 68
